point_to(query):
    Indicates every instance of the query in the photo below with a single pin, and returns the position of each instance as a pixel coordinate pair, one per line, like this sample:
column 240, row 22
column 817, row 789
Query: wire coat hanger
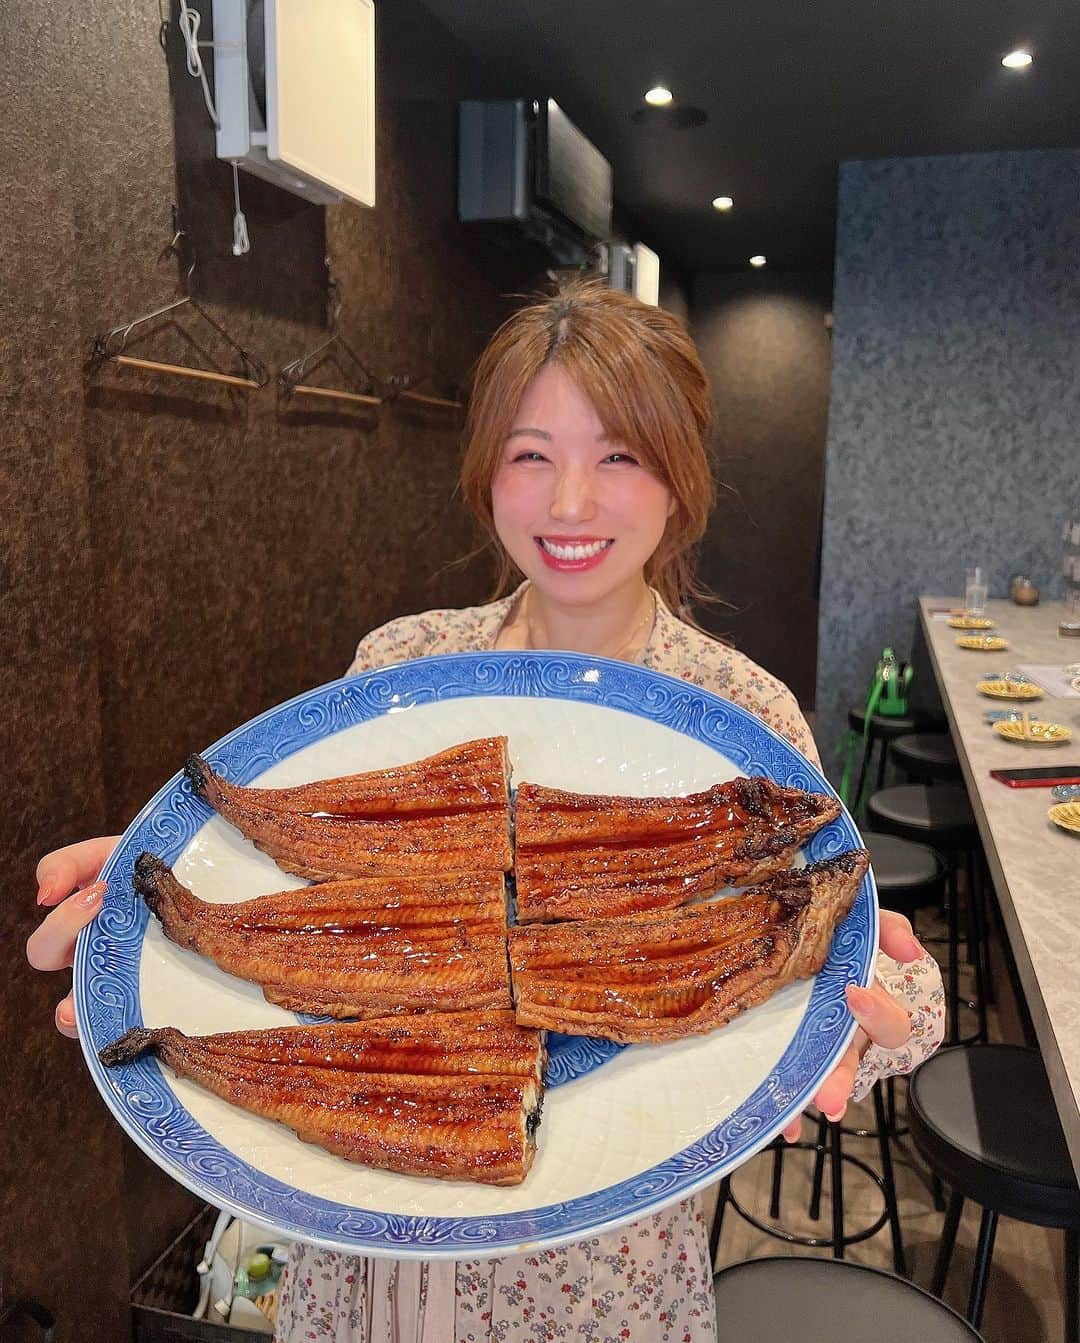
column 111, row 345
column 292, row 378
column 403, row 388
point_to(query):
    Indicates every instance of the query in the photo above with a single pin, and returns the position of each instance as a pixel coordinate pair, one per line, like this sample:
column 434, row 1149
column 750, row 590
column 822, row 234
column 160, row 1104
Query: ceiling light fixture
column 1017, row 60
column 659, row 97
column 722, row 203
column 758, row 260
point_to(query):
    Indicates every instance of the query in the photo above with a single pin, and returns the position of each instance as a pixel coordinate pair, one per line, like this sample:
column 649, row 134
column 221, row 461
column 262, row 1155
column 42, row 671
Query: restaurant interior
column 234, row 385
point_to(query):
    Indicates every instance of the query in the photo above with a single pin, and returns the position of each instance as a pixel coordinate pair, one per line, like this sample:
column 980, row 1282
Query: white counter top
column 1035, row 864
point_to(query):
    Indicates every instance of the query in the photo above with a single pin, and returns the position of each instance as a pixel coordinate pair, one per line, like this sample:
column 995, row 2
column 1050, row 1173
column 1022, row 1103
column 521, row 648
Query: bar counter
column 1035, row 864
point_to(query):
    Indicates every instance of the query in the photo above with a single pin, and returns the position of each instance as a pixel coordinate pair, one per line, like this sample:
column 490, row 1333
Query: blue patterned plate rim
column 107, row 960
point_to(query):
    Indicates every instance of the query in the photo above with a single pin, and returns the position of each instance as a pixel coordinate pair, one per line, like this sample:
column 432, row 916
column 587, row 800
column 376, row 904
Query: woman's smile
column 573, row 552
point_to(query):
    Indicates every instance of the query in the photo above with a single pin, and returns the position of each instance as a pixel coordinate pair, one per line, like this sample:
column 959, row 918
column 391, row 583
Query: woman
column 586, row 463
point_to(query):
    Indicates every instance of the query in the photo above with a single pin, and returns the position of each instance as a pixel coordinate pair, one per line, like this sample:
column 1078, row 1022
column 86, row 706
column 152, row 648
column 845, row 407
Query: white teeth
column 574, row 552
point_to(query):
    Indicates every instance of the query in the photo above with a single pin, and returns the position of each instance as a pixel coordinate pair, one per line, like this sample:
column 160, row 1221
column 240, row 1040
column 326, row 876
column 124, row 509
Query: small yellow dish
column 1003, row 689
column 983, row 643
column 1039, row 733
column 1067, row 815
column 971, row 623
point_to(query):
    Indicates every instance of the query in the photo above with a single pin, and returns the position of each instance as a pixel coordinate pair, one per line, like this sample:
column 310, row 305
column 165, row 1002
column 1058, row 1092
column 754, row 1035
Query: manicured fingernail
column 916, row 950
column 859, row 997
column 45, row 891
column 65, row 1014
column 834, row 1118
column 91, row 894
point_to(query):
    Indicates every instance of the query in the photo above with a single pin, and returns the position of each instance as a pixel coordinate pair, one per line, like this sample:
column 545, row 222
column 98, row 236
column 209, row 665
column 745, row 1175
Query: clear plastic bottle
column 1070, row 570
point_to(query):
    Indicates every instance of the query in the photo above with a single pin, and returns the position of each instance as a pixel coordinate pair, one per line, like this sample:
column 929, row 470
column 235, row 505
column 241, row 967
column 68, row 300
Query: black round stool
column 984, row 1120
column 926, row 757
column 828, row 1301
column 909, row 876
column 941, row 816
column 884, row 730
column 829, row 1145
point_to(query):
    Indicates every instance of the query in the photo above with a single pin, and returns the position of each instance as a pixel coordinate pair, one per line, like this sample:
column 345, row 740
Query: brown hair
column 639, row 368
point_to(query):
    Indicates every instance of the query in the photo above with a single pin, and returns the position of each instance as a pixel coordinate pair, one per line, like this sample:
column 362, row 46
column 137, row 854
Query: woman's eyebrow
column 530, row 433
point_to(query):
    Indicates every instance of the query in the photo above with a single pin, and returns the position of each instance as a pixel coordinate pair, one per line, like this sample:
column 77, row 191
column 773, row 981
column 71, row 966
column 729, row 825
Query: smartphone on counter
column 1038, row 776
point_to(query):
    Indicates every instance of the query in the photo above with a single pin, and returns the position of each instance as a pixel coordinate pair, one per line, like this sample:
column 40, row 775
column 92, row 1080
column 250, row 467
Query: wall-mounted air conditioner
column 294, row 83
column 524, row 161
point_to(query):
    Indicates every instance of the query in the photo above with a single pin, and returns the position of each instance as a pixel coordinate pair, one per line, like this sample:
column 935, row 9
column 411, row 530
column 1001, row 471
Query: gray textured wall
column 765, row 346
column 954, row 423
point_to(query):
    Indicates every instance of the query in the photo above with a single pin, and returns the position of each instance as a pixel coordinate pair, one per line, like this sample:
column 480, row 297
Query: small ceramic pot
column 1023, row 591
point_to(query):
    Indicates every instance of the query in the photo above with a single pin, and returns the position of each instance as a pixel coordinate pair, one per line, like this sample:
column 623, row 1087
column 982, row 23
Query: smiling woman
column 586, row 463
column 636, row 440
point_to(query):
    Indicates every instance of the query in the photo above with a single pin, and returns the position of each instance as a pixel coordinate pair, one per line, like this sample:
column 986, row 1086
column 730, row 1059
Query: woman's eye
column 621, row 459
column 529, row 457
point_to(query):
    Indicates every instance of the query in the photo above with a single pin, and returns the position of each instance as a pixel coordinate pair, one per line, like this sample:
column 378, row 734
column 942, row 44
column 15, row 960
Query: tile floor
column 1024, row 1303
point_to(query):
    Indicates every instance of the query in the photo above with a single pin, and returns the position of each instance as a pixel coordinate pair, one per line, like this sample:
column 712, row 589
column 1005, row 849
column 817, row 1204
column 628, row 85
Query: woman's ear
column 671, row 506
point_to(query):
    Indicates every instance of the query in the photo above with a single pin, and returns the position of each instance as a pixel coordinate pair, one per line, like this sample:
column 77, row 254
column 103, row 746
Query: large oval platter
column 625, row 1131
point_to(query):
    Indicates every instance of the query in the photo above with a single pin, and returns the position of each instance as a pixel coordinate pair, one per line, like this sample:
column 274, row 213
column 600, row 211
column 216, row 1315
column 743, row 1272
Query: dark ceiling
column 791, row 89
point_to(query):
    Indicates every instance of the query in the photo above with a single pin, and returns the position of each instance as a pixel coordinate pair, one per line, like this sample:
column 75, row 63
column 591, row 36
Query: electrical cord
column 240, row 243
column 189, row 27
column 189, row 22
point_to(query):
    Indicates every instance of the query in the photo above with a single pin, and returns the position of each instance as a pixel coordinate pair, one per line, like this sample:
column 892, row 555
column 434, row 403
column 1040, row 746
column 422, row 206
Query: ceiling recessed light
column 758, row 260
column 659, row 97
column 1017, row 60
column 722, row 203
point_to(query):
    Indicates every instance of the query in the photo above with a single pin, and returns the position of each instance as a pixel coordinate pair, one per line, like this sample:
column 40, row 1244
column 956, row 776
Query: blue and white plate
column 625, row 1131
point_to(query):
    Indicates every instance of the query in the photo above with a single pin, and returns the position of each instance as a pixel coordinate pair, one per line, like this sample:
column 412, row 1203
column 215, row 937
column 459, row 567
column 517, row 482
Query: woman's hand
column 881, row 1021
column 67, row 879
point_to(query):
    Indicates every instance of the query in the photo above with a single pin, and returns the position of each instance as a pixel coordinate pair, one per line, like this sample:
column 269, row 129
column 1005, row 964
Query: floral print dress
column 651, row 1281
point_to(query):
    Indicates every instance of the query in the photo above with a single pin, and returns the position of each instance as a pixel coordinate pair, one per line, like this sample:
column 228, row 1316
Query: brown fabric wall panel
column 109, row 126
column 253, row 539
column 183, row 556
column 61, row 1188
column 766, row 348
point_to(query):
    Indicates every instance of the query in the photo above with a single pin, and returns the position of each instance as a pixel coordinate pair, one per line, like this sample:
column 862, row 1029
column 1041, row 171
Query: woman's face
column 578, row 514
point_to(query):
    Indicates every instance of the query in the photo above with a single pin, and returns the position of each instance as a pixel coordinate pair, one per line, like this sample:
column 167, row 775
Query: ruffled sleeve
column 917, row 986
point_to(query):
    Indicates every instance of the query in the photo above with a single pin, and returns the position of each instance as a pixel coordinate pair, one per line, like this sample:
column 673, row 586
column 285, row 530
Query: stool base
column 828, row 1145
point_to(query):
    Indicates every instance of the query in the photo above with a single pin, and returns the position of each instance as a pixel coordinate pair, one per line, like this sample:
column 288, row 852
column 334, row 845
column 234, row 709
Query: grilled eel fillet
column 447, row 813
column 360, row 948
column 586, row 857
column 654, row 977
column 455, row 1096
